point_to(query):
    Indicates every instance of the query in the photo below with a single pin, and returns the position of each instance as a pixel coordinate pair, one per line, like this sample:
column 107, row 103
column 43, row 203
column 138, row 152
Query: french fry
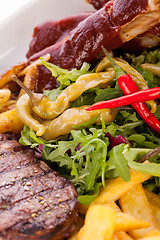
column 154, row 202
column 15, row 70
column 135, row 202
column 115, row 237
column 4, row 95
column 152, row 233
column 152, row 197
column 10, row 122
column 126, row 222
column 99, row 224
column 123, row 236
column 116, row 187
column 30, row 73
column 151, row 238
column 114, row 206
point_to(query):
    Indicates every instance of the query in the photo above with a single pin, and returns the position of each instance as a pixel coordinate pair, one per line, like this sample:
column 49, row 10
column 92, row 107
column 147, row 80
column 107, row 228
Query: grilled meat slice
column 51, row 32
column 35, row 201
column 117, row 22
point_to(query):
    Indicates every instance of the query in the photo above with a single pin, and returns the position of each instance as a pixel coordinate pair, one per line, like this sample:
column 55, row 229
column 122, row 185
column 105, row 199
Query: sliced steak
column 35, row 201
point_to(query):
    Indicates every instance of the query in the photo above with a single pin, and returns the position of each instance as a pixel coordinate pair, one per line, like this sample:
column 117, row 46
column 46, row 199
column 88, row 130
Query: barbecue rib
column 35, row 201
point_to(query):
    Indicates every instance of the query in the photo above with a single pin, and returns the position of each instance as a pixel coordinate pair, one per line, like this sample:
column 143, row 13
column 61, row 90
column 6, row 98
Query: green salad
column 91, row 152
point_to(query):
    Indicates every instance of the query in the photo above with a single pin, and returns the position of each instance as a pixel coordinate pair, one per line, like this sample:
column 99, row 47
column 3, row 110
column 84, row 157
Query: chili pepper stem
column 118, row 70
column 27, row 90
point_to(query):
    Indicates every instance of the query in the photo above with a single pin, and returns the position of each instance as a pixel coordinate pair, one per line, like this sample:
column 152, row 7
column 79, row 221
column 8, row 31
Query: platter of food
column 79, row 121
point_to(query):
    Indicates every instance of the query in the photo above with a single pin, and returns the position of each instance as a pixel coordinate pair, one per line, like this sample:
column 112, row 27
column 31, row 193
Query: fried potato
column 151, row 238
column 135, row 202
column 115, row 237
column 152, row 233
column 4, row 95
column 123, row 236
column 15, row 70
column 154, row 202
column 10, row 122
column 116, row 187
column 114, row 206
column 30, row 73
column 126, row 222
column 99, row 222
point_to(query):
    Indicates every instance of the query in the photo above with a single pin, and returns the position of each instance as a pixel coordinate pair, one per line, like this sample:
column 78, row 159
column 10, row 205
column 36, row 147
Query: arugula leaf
column 107, row 94
column 87, row 199
column 87, row 98
column 64, row 76
column 117, row 159
column 52, row 94
column 87, row 124
column 63, row 147
column 98, row 162
column 151, row 168
column 25, row 137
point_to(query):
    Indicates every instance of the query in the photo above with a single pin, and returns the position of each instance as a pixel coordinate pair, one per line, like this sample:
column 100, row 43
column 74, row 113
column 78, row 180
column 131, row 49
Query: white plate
column 16, row 31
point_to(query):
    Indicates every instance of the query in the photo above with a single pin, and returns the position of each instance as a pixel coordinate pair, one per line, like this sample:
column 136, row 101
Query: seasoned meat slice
column 51, row 32
column 117, row 22
column 35, row 201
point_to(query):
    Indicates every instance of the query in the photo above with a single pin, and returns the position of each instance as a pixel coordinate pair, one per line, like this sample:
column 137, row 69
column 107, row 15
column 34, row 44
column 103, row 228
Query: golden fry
column 151, row 238
column 115, row 188
column 30, row 73
column 99, row 222
column 123, row 236
column 154, row 202
column 15, row 70
column 4, row 95
column 10, row 122
column 135, row 202
column 126, row 222
column 114, row 206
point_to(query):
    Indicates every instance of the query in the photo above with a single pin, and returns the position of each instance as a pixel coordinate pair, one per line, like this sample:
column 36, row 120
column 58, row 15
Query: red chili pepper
column 128, row 86
column 139, row 96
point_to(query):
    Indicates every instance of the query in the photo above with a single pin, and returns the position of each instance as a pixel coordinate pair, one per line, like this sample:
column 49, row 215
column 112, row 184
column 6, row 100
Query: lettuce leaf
column 64, row 76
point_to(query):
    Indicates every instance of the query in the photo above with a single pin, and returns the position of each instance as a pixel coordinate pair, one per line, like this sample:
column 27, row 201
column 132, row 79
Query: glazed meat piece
column 51, row 32
column 35, row 201
column 117, row 22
